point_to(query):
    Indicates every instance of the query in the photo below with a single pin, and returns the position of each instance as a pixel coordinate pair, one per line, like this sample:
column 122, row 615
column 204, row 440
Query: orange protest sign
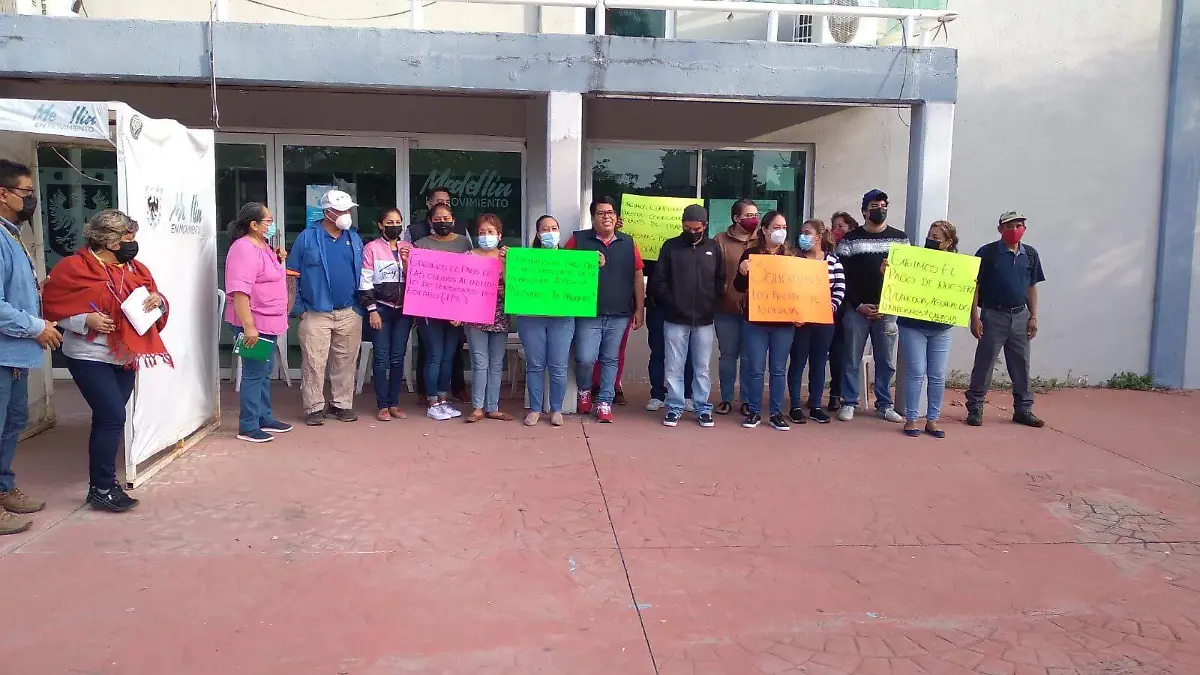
column 785, row 288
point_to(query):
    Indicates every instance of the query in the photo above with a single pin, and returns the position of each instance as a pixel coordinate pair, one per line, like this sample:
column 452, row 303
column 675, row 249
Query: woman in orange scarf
column 103, row 350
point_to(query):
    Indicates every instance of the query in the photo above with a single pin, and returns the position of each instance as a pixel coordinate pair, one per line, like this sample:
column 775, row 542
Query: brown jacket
column 733, row 242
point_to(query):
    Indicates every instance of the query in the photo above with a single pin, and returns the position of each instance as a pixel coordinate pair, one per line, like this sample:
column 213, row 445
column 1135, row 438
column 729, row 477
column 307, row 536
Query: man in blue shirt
column 1004, row 316
column 24, row 336
column 328, row 256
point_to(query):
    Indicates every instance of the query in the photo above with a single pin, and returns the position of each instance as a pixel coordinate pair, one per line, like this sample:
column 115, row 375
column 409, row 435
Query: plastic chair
column 364, row 365
column 866, row 375
column 516, row 360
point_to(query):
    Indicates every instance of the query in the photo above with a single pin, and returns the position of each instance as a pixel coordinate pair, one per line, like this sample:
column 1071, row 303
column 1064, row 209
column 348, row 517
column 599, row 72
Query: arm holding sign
column 741, row 283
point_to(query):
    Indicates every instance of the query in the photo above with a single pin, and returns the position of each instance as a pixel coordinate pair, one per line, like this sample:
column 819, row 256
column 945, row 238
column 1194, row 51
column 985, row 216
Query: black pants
column 837, row 357
column 106, row 388
column 458, row 379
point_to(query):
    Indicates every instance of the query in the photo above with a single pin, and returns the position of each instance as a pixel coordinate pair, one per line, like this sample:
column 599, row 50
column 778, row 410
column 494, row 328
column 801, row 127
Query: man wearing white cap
column 327, row 256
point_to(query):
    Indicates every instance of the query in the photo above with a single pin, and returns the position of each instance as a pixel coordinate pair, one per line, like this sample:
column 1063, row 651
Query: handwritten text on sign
column 544, row 282
column 653, row 220
column 922, row 283
column 789, row 289
column 452, row 286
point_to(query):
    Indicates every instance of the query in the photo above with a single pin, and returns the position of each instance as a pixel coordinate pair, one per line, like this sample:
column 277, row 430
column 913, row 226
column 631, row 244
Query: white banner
column 167, row 183
column 55, row 118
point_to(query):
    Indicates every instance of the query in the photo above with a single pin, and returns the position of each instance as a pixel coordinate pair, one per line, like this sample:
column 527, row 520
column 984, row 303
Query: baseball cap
column 695, row 213
column 874, row 196
column 1009, row 216
column 337, row 200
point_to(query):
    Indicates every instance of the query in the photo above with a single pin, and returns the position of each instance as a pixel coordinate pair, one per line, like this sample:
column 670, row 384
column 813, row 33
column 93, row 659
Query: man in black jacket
column 688, row 281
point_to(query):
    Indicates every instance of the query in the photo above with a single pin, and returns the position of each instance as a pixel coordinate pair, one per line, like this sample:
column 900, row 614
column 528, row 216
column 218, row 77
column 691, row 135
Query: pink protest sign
column 451, row 286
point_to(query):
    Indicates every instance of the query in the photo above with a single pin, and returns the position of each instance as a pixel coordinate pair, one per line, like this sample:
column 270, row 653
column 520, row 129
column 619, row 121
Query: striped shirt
column 862, row 254
column 837, row 280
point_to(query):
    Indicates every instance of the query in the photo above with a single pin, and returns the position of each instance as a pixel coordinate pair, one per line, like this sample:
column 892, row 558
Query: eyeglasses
column 23, row 191
column 600, row 214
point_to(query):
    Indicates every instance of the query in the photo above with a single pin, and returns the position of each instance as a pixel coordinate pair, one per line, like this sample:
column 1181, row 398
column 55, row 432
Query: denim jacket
column 20, row 304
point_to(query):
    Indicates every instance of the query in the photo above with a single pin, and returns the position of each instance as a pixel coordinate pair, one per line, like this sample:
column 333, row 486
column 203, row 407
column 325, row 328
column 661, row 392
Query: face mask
column 877, row 215
column 442, row 229
column 749, row 223
column 28, row 208
column 837, row 236
column 271, row 230
column 805, row 242
column 695, row 237
column 933, row 244
column 489, row 241
column 777, row 237
column 344, row 221
column 1013, row 237
column 548, row 239
column 392, row 232
column 128, row 251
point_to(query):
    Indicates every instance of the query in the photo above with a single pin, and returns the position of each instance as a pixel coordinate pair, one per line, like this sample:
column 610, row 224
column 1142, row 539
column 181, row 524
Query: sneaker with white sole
column 437, row 412
column 846, row 413
column 450, row 410
column 255, row 436
column 689, row 405
column 890, row 415
column 671, row 420
column 654, row 405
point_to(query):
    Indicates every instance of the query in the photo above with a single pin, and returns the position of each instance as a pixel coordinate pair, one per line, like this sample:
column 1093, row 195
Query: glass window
column 651, row 23
column 479, row 182
column 657, row 173
column 772, row 178
column 241, row 177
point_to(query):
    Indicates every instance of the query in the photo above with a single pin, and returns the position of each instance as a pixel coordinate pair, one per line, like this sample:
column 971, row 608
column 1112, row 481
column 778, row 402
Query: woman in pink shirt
column 256, row 287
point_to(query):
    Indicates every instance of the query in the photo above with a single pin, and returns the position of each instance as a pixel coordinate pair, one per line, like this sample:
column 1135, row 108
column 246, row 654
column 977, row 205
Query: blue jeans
column 441, row 342
column 811, row 346
column 729, row 342
column 14, row 406
column 255, row 396
column 926, row 353
column 599, row 339
column 757, row 342
column 547, row 343
column 107, row 388
column 389, row 345
column 882, row 332
column 655, row 318
column 688, row 346
column 487, row 359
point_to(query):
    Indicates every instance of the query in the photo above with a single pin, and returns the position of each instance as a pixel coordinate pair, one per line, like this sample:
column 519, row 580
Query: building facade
column 1083, row 121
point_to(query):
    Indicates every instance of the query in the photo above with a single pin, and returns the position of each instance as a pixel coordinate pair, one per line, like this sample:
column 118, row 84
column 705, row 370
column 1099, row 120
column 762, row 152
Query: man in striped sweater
column 862, row 252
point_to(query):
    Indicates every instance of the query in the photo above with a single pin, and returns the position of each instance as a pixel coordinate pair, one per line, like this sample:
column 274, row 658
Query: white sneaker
column 890, row 415
column 450, row 410
column 437, row 412
column 654, row 405
column 689, row 405
column 846, row 413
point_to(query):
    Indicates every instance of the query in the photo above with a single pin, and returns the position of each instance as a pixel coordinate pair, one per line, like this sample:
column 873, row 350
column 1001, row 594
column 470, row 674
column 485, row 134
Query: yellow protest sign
column 787, row 289
column 653, row 220
column 922, row 283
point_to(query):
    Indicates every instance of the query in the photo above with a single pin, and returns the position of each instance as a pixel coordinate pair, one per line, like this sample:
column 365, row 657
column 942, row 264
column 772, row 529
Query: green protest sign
column 550, row 282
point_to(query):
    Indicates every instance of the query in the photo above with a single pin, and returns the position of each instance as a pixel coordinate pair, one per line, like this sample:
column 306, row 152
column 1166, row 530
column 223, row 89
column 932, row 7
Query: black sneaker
column 1028, row 419
column 780, row 422
column 671, row 420
column 276, row 427
column 343, row 415
column 975, row 418
column 835, row 404
column 818, row 416
column 797, row 415
column 315, row 419
column 706, row 420
column 751, row 420
column 114, row 500
column 255, row 436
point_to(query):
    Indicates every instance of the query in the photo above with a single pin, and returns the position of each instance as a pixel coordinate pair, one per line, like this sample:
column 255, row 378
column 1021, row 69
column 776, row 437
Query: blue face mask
column 489, row 241
column 805, row 242
column 271, row 231
column 549, row 239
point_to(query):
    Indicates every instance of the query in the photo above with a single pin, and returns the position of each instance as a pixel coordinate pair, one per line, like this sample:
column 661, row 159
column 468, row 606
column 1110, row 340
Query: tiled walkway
column 419, row 547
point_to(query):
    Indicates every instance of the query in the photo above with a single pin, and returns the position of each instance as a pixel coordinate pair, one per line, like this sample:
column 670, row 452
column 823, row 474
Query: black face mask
column 442, row 229
column 29, row 206
column 696, row 237
column 877, row 215
column 392, row 232
column 128, row 251
column 933, row 244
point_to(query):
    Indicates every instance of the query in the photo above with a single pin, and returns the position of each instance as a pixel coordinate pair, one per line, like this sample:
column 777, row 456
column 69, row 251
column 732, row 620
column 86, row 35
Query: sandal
column 475, row 416
column 912, row 432
column 723, row 408
column 397, row 413
column 934, row 431
column 531, row 419
column 384, row 415
column 500, row 416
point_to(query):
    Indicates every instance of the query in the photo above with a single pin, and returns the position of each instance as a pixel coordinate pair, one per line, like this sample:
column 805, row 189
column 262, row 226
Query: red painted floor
column 422, row 547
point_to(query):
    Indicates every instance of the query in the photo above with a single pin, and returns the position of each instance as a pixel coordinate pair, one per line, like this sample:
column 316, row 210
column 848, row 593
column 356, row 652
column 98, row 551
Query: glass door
column 774, row 178
column 481, row 177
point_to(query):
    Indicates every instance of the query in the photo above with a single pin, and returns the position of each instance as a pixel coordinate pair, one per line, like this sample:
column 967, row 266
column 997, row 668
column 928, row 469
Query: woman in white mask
column 488, row 342
column 547, row 343
column 761, row 339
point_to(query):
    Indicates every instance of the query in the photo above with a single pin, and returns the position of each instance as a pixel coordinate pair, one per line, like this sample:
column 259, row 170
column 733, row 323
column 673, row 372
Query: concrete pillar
column 930, row 139
column 561, row 167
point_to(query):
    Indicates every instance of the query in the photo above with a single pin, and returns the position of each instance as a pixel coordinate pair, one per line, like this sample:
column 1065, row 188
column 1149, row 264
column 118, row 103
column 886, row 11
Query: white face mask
column 344, row 221
column 488, row 241
column 549, row 239
column 777, row 237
